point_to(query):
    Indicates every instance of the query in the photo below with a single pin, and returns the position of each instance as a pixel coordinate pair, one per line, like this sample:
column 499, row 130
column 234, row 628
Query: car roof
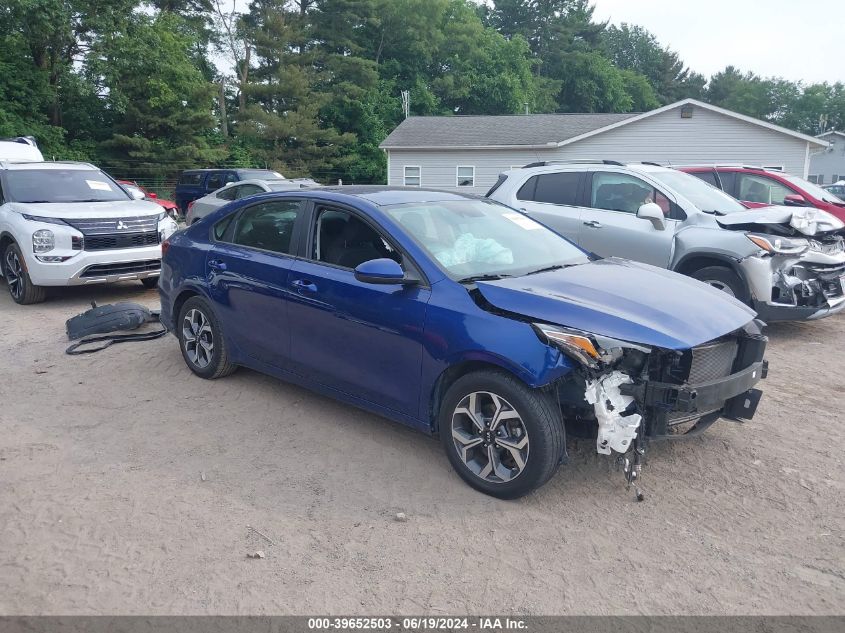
column 581, row 165
column 49, row 165
column 382, row 195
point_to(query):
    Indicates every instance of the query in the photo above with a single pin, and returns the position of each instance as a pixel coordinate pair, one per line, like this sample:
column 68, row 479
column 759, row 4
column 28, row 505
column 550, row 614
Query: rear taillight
column 164, row 246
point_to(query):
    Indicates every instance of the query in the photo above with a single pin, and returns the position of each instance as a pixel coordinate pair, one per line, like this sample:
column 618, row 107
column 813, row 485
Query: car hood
column 622, row 299
column 84, row 210
column 805, row 220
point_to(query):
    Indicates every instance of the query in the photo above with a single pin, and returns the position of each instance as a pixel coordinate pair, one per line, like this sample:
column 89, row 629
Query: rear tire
column 201, row 340
column 150, row 282
column 20, row 285
column 513, row 442
column 724, row 279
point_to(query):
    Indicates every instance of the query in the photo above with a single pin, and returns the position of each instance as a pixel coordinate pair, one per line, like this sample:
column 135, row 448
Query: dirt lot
column 103, row 507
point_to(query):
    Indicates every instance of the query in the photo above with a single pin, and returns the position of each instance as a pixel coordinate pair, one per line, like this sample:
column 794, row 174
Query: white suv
column 64, row 223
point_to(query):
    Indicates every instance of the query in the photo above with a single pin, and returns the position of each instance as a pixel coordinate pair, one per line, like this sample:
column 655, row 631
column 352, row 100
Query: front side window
column 343, row 239
column 707, row 176
column 413, row 176
column 470, row 238
column 61, row 185
column 619, row 192
column 215, row 181
column 268, row 226
column 753, row 188
column 560, row 188
column 465, row 176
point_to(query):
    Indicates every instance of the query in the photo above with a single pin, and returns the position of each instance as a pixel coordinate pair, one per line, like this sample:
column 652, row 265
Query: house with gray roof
column 827, row 166
column 469, row 152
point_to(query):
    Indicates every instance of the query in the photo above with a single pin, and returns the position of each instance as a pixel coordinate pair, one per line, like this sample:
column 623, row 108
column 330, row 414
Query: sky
column 797, row 40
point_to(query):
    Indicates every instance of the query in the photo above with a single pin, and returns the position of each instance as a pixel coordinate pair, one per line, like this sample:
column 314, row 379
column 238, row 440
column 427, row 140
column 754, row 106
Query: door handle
column 593, row 223
column 216, row 264
column 303, row 284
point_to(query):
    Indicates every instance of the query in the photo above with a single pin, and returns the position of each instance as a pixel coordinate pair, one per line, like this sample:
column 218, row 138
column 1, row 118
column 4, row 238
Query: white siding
column 439, row 166
column 707, row 137
column 829, row 162
column 666, row 138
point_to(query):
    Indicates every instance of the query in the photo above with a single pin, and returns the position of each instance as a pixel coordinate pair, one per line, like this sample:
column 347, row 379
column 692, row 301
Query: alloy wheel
column 720, row 285
column 197, row 338
column 490, row 437
column 14, row 273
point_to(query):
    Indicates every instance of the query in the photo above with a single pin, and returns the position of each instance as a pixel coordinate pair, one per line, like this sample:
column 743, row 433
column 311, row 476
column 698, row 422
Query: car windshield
column 814, row 190
column 704, row 196
column 474, row 239
column 259, row 174
column 61, row 185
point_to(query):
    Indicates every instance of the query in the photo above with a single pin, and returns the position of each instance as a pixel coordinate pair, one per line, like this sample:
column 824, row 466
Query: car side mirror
column 136, row 194
column 652, row 212
column 152, row 195
column 795, row 200
column 383, row 271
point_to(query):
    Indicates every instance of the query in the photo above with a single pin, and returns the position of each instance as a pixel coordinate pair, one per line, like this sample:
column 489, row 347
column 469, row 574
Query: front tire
column 502, row 437
column 20, row 285
column 201, row 340
column 724, row 279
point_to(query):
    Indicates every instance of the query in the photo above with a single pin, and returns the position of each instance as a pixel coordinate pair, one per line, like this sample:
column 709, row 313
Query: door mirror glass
column 381, row 271
column 652, row 212
column 795, row 200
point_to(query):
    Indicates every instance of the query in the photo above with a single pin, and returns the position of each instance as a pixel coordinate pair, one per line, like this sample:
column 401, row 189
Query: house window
column 465, row 176
column 834, row 178
column 413, row 176
column 813, row 178
column 820, row 180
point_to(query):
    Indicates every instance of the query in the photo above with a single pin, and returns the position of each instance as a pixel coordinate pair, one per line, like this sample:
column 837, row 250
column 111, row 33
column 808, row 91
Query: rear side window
column 230, row 193
column 268, row 226
column 190, row 179
column 248, row 190
column 560, row 188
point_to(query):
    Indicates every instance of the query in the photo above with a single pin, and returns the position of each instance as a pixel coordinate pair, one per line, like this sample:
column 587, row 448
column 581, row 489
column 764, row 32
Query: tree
column 160, row 102
column 632, row 47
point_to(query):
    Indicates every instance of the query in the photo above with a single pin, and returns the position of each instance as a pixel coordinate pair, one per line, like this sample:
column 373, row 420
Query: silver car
column 787, row 263
column 241, row 189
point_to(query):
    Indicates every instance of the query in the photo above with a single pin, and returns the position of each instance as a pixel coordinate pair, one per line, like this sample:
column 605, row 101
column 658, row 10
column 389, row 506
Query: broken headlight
column 779, row 245
column 592, row 350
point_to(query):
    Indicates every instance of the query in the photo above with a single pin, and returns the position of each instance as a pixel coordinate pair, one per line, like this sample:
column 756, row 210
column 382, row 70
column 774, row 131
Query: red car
column 169, row 206
column 760, row 187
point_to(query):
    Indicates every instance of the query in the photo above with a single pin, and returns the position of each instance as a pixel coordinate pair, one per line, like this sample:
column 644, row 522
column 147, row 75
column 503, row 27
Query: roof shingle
column 498, row 130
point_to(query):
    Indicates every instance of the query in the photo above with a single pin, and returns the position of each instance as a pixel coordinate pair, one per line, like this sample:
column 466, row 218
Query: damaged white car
column 788, row 263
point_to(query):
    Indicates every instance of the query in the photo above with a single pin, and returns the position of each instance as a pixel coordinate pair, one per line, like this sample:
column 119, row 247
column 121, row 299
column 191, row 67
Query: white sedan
column 236, row 190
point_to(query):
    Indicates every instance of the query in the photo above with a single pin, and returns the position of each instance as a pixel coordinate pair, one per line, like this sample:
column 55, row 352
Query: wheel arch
column 696, row 261
column 469, row 364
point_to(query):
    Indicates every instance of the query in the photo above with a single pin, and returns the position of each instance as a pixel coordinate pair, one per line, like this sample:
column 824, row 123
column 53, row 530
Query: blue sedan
column 462, row 318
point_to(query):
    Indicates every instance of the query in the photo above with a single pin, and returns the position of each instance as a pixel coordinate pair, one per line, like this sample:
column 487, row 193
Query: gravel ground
column 127, row 486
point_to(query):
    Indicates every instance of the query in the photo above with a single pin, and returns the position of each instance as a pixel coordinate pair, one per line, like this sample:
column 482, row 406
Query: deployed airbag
column 109, row 318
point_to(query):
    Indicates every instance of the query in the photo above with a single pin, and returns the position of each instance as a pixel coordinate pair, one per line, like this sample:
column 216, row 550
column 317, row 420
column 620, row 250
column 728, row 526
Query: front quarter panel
column 458, row 331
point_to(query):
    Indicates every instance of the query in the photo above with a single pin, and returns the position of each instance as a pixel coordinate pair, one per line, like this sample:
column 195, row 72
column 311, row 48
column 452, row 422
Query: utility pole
column 406, row 103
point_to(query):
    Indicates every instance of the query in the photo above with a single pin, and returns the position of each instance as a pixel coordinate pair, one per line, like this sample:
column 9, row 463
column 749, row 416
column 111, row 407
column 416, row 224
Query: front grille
column 120, row 240
column 123, row 268
column 109, row 226
column 712, row 361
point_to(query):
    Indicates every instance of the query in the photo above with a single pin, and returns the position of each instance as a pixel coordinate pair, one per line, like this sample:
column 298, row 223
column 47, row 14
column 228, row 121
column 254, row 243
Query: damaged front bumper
column 805, row 287
column 731, row 397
